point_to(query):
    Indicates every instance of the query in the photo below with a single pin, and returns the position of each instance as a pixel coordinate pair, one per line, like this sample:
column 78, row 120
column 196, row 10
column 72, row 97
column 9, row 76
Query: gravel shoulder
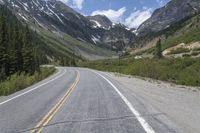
column 180, row 104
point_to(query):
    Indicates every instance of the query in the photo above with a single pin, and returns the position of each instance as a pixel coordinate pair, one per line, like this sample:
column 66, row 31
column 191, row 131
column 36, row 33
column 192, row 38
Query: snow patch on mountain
column 22, row 16
column 97, row 24
column 95, row 39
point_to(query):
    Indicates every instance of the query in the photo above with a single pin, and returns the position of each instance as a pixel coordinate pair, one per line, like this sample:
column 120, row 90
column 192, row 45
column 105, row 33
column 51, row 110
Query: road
column 77, row 100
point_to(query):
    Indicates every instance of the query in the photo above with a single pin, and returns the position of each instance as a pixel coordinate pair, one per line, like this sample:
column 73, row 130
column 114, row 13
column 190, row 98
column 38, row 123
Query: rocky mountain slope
column 166, row 16
column 100, row 21
column 55, row 16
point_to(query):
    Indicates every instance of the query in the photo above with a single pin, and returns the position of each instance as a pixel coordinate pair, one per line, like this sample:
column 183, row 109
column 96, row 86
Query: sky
column 129, row 12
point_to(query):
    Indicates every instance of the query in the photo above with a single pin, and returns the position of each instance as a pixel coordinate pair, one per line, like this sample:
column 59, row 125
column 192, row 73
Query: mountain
column 55, row 16
column 100, row 21
column 116, row 36
column 20, row 39
column 56, row 44
column 18, row 46
column 164, row 17
column 52, row 15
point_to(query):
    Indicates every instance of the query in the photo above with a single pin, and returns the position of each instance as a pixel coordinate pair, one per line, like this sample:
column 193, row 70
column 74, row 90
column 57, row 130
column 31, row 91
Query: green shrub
column 184, row 71
column 18, row 81
column 186, row 55
column 179, row 50
column 194, row 53
column 196, row 49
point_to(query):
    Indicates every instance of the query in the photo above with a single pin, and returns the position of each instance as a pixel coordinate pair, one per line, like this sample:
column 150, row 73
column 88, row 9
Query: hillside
column 184, row 71
column 177, row 26
column 46, row 52
column 186, row 31
column 162, row 18
column 18, row 46
column 58, row 18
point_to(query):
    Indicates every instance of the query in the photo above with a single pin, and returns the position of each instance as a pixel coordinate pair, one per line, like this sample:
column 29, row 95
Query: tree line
column 17, row 53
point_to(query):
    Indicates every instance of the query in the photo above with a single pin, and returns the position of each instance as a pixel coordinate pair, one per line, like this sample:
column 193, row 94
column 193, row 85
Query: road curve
column 77, row 100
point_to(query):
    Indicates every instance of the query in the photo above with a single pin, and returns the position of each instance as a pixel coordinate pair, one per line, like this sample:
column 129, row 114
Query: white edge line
column 141, row 120
column 17, row 96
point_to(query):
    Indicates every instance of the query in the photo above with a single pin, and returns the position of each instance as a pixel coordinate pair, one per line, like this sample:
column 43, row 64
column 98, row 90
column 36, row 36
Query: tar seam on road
column 49, row 116
column 141, row 120
column 88, row 121
column 17, row 96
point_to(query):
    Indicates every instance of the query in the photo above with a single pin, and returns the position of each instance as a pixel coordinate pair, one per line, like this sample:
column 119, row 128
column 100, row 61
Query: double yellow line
column 56, row 108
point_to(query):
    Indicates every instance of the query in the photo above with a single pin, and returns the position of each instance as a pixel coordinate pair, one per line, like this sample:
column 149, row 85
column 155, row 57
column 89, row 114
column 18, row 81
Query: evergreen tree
column 62, row 61
column 17, row 53
column 67, row 61
column 21, row 49
column 73, row 62
column 36, row 61
column 2, row 74
column 158, row 52
column 11, row 51
column 27, row 53
column 3, row 46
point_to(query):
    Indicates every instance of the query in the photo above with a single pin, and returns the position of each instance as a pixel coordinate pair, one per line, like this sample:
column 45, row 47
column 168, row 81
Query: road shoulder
column 178, row 104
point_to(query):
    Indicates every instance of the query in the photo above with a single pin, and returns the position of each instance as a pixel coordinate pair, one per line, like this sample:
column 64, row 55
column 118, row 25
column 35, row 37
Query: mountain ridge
column 164, row 17
column 56, row 16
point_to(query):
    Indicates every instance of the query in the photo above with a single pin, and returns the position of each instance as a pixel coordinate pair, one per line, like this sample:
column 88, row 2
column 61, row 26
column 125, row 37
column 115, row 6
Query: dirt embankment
column 190, row 47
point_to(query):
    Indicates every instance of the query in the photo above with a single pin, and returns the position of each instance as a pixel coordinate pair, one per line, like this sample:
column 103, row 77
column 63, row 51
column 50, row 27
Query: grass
column 184, row 71
column 18, row 82
column 188, row 37
column 190, row 32
column 67, row 45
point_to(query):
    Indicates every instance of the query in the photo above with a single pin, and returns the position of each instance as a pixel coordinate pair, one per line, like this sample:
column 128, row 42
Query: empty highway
column 78, row 100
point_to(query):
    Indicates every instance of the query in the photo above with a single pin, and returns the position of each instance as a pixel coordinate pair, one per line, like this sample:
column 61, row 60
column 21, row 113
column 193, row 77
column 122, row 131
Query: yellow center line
column 49, row 116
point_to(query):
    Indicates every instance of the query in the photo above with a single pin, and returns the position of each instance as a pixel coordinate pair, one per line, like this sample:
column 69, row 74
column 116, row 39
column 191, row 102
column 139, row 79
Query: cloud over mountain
column 138, row 17
column 114, row 15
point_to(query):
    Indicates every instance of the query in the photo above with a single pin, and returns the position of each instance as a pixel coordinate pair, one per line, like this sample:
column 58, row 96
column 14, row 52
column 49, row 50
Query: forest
column 17, row 53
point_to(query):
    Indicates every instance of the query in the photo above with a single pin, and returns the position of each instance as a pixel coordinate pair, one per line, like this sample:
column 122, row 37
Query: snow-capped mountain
column 54, row 15
column 100, row 21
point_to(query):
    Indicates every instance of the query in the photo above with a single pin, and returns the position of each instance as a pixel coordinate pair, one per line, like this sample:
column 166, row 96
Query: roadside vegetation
column 185, row 31
column 184, row 71
column 17, row 52
column 179, row 50
column 19, row 81
column 19, row 58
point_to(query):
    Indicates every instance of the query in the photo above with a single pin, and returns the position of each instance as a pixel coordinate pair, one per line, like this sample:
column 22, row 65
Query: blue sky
column 129, row 12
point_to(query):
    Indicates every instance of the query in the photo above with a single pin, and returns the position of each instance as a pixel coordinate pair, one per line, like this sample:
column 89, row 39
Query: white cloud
column 160, row 2
column 75, row 3
column 64, row 1
column 138, row 17
column 78, row 4
column 113, row 15
column 134, row 20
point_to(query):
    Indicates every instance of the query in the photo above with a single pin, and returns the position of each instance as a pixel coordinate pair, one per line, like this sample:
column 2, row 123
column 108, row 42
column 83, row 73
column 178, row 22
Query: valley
column 84, row 35
column 79, row 66
column 65, row 37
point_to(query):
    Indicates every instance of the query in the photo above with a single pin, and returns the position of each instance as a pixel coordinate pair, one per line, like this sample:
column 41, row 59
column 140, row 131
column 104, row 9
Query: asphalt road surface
column 77, row 100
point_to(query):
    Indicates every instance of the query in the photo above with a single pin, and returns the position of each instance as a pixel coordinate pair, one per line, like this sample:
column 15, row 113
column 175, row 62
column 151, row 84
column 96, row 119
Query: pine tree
column 36, row 61
column 73, row 62
column 18, row 48
column 11, row 50
column 2, row 74
column 158, row 51
column 67, row 61
column 27, row 53
column 3, row 46
column 17, row 53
